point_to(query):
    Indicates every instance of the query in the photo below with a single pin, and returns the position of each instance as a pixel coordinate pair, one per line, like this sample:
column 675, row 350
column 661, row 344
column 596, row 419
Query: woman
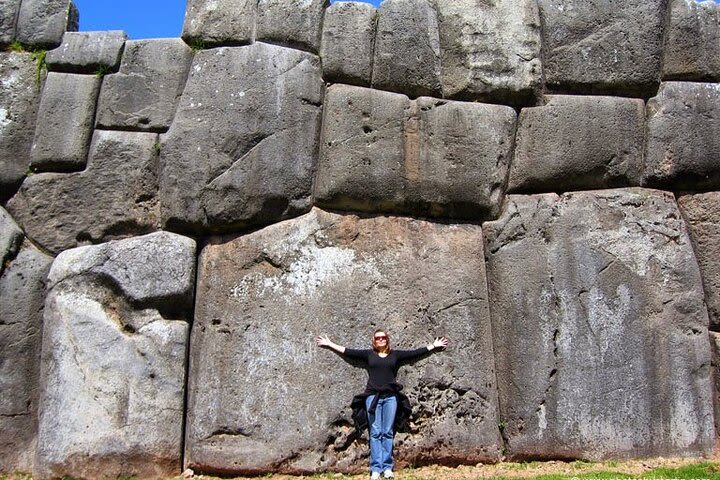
column 382, row 395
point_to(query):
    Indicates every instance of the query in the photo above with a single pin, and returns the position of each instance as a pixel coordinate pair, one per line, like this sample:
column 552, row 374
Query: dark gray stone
column 348, row 41
column 579, row 143
column 692, row 45
column 381, row 151
column 603, row 46
column 407, row 48
column 118, row 414
column 8, row 17
column 599, row 327
column 19, row 101
column 10, row 238
column 219, row 22
column 144, row 95
column 65, row 122
column 87, row 52
column 42, row 23
column 490, row 50
column 291, row 23
column 683, row 136
column 22, row 295
column 242, row 149
column 262, row 297
column 114, row 197
column 702, row 215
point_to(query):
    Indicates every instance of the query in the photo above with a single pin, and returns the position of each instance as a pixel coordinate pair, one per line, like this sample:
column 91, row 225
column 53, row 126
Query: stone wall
column 536, row 179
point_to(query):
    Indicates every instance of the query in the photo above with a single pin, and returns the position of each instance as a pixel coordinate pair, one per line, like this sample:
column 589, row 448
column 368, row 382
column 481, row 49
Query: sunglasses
column 381, row 337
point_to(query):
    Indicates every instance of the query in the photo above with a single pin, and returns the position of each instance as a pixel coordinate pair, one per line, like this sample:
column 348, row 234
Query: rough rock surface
column 10, row 237
column 22, row 295
column 291, row 23
column 19, row 102
column 383, row 152
column 242, row 148
column 692, row 45
column 683, row 136
column 490, row 50
column 262, row 297
column 87, row 52
column 579, row 143
column 348, row 42
column 144, row 95
column 715, row 346
column 407, row 48
column 120, row 414
column 219, row 22
column 599, row 327
column 114, row 197
column 42, row 23
column 609, row 46
column 8, row 16
column 702, row 215
column 65, row 122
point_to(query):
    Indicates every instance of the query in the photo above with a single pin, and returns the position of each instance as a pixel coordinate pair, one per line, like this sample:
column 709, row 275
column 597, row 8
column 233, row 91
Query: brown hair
column 387, row 344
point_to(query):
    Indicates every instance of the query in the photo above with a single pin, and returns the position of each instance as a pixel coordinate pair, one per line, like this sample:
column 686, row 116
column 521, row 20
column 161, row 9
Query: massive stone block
column 22, row 295
column 490, row 50
column 219, row 22
column 407, row 48
column 43, row 22
column 348, row 42
column 254, row 365
column 113, row 361
column 114, row 197
column 19, row 102
column 692, row 44
column 144, row 95
column 291, row 23
column 8, row 16
column 702, row 214
column 10, row 238
column 599, row 327
column 87, row 52
column 610, row 46
column 683, row 136
column 65, row 122
column 383, row 152
column 243, row 146
column 579, row 143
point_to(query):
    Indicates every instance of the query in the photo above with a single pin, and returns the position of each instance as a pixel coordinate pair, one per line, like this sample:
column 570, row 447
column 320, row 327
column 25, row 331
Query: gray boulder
column 683, row 136
column 271, row 291
column 144, row 95
column 692, row 44
column 603, row 46
column 219, row 22
column 113, row 361
column 490, row 50
column 599, row 327
column 291, row 23
column 22, row 295
column 43, row 23
column 114, row 197
column 8, row 17
column 65, row 122
column 579, row 143
column 702, row 215
column 407, row 48
column 348, row 41
column 381, row 151
column 19, row 103
column 10, row 238
column 242, row 148
column 87, row 52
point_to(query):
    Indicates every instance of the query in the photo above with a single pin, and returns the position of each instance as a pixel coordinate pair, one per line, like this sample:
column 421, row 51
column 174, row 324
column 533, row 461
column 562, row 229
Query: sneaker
column 388, row 474
column 375, row 476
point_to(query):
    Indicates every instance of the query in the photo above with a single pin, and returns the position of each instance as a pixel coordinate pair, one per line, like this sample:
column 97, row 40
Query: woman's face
column 380, row 340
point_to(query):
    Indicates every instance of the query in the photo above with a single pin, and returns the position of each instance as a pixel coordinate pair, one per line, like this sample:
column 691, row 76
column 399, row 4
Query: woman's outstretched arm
column 324, row 341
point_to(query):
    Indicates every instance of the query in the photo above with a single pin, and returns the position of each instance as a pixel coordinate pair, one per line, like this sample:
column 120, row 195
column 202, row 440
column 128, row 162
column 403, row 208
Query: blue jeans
column 381, row 432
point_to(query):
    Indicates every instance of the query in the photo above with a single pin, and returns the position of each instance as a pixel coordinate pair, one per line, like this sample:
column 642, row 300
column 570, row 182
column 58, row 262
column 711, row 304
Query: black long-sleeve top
column 383, row 370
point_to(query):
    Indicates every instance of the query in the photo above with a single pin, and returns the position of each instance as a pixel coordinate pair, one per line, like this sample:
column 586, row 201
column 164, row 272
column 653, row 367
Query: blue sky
column 139, row 18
